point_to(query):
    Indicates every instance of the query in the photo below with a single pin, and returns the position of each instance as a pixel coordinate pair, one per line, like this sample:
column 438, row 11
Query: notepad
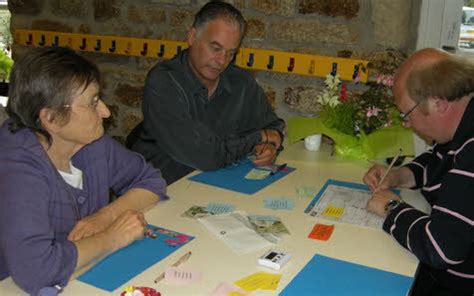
column 328, row 276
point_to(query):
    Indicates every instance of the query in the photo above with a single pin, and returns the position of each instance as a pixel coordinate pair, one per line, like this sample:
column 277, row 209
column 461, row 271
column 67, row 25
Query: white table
column 218, row 263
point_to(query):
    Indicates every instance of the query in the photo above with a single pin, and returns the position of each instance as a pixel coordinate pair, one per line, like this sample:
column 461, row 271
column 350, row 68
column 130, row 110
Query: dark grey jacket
column 184, row 130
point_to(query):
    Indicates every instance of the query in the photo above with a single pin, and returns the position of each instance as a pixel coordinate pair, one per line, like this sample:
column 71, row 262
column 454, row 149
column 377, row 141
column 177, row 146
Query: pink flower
column 373, row 111
column 357, row 79
column 379, row 78
column 386, row 80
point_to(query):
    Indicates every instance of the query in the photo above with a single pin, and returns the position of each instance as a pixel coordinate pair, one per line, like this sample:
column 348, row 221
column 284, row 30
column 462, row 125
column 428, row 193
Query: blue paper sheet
column 281, row 203
column 233, row 178
column 123, row 265
column 328, row 276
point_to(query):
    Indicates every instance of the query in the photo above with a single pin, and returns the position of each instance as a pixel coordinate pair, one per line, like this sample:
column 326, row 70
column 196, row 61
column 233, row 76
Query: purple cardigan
column 36, row 208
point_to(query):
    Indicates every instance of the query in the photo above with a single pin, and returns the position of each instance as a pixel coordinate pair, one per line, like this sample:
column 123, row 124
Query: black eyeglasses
column 405, row 116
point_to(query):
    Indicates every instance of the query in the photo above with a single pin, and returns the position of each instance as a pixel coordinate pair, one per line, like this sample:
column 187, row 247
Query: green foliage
column 340, row 117
column 6, row 64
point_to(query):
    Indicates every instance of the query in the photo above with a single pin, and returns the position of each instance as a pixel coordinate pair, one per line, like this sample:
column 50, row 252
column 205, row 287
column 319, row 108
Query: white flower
column 330, row 95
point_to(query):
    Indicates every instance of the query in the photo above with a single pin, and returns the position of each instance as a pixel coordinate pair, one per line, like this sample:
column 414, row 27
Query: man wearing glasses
column 434, row 89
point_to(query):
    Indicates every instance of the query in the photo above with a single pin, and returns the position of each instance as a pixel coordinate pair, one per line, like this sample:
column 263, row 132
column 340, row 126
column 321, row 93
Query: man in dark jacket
column 202, row 112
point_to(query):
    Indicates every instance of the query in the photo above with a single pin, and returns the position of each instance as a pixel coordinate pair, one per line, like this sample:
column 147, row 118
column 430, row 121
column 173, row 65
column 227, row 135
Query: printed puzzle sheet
column 344, row 202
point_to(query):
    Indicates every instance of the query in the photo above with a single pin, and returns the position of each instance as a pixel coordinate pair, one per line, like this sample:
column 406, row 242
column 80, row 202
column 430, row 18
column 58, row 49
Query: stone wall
column 356, row 28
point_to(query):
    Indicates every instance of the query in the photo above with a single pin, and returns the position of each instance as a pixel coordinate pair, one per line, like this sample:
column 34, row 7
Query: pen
column 277, row 169
column 394, row 160
column 180, row 261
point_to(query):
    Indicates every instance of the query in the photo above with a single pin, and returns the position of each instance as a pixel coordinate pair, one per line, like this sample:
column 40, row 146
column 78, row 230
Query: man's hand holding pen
column 267, row 150
column 380, row 180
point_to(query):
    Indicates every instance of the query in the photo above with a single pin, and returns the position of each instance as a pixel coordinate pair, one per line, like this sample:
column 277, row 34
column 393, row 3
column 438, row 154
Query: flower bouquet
column 363, row 124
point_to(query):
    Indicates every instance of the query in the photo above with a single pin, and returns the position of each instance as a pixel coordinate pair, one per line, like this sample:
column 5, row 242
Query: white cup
column 313, row 142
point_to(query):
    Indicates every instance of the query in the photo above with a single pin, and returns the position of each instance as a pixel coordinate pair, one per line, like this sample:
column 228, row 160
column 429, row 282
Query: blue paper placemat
column 123, row 265
column 233, row 178
column 328, row 276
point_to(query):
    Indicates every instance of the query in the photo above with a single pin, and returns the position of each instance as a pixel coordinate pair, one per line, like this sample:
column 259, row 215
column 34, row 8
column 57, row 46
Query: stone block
column 255, row 29
column 346, row 8
column 29, row 7
column 105, row 10
column 47, row 25
column 280, row 7
column 84, row 29
column 313, row 31
column 129, row 122
column 129, row 95
column 182, row 20
column 174, row 2
column 303, row 99
column 271, row 97
column 69, row 8
column 149, row 14
column 111, row 122
column 239, row 4
column 391, row 21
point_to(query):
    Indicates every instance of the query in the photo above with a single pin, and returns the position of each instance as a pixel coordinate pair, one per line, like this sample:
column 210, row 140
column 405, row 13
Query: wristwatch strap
column 392, row 204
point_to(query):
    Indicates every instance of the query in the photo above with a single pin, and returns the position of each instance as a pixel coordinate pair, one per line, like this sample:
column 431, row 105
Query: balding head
column 419, row 59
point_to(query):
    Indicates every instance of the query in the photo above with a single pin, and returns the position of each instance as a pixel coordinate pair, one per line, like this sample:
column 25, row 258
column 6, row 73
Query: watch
column 392, row 204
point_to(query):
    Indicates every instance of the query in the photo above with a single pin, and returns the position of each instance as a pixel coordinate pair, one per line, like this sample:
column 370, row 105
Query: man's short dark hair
column 218, row 9
column 46, row 78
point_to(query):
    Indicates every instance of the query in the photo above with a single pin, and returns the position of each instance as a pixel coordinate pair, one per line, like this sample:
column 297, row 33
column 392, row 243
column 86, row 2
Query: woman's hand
column 127, row 228
column 91, row 225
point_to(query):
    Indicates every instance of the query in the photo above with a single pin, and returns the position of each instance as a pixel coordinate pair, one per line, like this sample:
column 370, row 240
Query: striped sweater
column 443, row 240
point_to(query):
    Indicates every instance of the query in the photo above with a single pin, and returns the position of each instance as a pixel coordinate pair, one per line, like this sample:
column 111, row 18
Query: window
column 466, row 36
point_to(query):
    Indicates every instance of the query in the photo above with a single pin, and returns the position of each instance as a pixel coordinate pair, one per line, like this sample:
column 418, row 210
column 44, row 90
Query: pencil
column 394, row 160
column 180, row 261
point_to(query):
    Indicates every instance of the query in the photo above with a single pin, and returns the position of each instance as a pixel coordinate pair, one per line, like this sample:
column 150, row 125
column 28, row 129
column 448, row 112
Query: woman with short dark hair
column 56, row 171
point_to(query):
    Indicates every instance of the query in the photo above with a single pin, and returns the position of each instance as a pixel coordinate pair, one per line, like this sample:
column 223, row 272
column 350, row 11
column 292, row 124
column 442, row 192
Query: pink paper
column 182, row 276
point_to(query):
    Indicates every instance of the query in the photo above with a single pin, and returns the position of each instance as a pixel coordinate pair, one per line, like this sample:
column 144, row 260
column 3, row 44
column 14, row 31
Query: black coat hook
column 56, row 41
column 162, row 50
column 145, row 49
column 42, row 40
column 250, row 61
column 98, row 45
column 334, row 69
column 291, row 66
column 271, row 62
column 113, row 47
column 84, row 44
column 30, row 39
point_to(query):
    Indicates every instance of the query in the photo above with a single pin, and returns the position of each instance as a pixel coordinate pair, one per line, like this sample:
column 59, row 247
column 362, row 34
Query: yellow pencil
column 394, row 160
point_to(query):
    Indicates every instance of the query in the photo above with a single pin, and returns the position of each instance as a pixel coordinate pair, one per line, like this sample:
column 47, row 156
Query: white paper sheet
column 234, row 231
